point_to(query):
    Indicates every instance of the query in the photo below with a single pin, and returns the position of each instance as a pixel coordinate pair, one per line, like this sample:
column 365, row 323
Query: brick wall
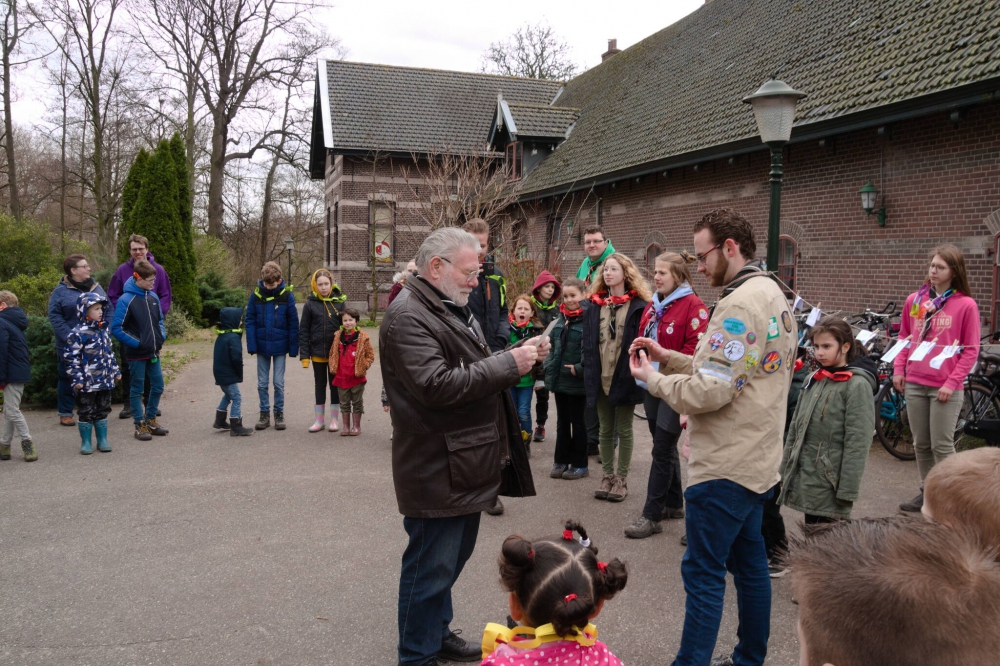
column 941, row 183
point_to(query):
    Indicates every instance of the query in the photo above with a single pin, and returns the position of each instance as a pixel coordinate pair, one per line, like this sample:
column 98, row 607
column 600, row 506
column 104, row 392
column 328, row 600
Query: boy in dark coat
column 227, row 366
column 92, row 370
column 272, row 334
column 15, row 372
column 545, row 296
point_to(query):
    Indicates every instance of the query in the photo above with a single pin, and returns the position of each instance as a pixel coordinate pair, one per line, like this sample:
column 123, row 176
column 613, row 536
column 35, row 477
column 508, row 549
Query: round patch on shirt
column 703, row 314
column 751, row 338
column 734, row 350
column 786, row 321
column 740, row 383
column 772, row 361
column 716, row 341
column 695, row 323
column 670, row 329
column 753, row 358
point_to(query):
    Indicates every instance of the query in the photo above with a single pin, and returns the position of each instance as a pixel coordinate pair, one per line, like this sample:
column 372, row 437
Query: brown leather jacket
column 456, row 441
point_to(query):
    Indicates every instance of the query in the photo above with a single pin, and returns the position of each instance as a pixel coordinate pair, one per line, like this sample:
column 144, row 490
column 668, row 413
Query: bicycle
column 979, row 420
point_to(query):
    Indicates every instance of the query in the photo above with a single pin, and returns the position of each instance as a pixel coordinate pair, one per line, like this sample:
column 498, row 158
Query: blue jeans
column 433, row 559
column 263, row 370
column 723, row 531
column 522, row 400
column 153, row 369
column 65, row 397
column 231, row 396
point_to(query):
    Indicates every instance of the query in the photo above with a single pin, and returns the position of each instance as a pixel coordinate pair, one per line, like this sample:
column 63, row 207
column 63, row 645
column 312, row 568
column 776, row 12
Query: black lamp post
column 774, row 109
column 289, row 245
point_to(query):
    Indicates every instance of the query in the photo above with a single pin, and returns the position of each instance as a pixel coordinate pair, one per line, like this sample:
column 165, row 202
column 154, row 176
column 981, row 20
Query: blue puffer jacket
column 62, row 309
column 138, row 323
column 15, row 360
column 89, row 360
column 272, row 321
column 227, row 360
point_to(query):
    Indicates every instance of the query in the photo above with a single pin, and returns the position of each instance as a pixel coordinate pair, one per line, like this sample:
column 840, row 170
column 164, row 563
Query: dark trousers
column 571, row 430
column 433, row 560
column 542, row 406
column 64, row 390
column 593, row 426
column 772, row 526
column 322, row 379
column 93, row 406
column 664, row 486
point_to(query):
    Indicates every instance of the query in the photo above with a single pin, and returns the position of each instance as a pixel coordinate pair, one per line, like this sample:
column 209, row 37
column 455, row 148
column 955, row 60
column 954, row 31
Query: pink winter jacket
column 559, row 653
column 958, row 321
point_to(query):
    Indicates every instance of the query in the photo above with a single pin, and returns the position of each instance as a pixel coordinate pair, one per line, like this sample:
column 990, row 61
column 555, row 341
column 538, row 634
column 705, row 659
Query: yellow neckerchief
column 230, row 330
column 497, row 634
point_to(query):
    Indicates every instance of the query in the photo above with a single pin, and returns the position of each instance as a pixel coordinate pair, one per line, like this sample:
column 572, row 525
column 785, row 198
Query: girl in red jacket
column 350, row 357
column 676, row 318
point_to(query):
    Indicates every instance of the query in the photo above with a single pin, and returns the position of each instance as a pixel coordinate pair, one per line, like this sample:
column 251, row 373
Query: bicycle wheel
column 976, row 407
column 891, row 423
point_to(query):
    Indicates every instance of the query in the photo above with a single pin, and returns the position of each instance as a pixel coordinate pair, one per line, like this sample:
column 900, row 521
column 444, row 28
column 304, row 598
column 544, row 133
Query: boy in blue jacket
column 227, row 366
column 92, row 370
column 15, row 373
column 138, row 325
column 272, row 333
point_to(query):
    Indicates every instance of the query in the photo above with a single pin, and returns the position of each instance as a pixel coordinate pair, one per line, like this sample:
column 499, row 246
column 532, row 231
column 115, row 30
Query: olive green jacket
column 827, row 445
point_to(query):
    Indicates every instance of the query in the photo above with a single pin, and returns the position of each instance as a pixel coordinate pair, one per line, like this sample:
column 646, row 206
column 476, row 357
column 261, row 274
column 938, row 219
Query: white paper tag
column 922, row 351
column 945, row 354
column 864, row 336
column 797, row 304
column 813, row 318
column 894, row 351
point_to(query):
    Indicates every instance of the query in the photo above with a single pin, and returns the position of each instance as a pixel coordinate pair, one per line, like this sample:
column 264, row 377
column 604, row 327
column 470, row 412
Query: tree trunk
column 265, row 216
column 217, row 172
column 105, row 222
column 8, row 126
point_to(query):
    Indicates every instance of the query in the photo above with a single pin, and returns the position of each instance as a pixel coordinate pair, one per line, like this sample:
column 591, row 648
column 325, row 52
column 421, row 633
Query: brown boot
column 607, row 482
column 356, row 424
column 346, row 430
column 619, row 490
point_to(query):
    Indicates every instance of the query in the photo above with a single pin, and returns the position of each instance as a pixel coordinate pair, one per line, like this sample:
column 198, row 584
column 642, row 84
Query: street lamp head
column 774, row 109
column 289, row 244
column 869, row 193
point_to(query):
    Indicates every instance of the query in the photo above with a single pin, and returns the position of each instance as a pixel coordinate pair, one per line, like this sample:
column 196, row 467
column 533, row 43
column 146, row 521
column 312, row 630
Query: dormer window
column 515, row 154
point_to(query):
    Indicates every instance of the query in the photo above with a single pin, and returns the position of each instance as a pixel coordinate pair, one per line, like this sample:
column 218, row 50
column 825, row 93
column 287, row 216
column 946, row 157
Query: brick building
column 904, row 94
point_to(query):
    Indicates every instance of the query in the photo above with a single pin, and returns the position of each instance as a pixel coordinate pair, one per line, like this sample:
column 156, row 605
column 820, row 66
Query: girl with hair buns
column 676, row 318
column 557, row 586
column 618, row 296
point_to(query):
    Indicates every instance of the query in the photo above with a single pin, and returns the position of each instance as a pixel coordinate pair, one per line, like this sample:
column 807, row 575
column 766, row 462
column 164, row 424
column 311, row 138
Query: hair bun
column 687, row 257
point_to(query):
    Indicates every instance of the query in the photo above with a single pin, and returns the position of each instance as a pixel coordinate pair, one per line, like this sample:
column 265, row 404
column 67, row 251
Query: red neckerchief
column 838, row 376
column 569, row 314
column 513, row 322
column 603, row 299
column 799, row 364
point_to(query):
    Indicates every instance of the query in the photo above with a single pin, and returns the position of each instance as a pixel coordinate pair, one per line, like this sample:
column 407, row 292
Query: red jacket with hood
column 546, row 313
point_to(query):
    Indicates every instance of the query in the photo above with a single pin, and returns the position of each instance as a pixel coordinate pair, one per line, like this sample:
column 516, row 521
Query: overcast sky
column 452, row 34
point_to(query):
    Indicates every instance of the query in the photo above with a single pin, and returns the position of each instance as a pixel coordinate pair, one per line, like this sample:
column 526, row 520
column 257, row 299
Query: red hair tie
column 568, row 535
column 531, row 554
column 569, row 597
column 602, row 567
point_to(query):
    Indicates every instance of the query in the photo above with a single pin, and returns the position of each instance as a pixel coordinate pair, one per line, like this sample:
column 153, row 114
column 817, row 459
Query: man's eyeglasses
column 83, row 266
column 702, row 258
column 468, row 276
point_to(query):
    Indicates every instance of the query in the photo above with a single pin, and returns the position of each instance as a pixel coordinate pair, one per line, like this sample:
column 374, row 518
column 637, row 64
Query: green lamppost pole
column 774, row 109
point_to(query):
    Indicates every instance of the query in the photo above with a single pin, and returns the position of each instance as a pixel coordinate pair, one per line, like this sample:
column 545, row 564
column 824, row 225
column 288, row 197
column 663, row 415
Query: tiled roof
column 540, row 120
column 680, row 90
column 405, row 109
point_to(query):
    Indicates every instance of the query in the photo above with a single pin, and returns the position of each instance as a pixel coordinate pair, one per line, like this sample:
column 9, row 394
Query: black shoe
column 496, row 509
column 593, row 449
column 914, row 505
column 672, row 514
column 455, row 648
column 237, row 430
column 540, row 433
column 220, row 420
column 126, row 412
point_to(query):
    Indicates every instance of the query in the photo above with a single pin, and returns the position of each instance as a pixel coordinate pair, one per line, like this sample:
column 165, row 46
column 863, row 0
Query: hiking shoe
column 540, row 433
column 455, row 648
column 67, row 421
column 264, row 422
column 5, row 452
column 672, row 514
column 126, row 412
column 142, row 432
column 642, row 528
column 279, row 421
column 619, row 490
column 574, row 473
column 155, row 428
column 29, row 450
column 914, row 505
column 220, row 420
column 607, row 482
column 496, row 509
column 557, row 471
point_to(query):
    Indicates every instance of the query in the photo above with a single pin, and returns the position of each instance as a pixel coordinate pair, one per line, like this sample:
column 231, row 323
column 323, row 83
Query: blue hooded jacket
column 138, row 323
column 62, row 309
column 15, row 358
column 227, row 361
column 88, row 356
column 272, row 321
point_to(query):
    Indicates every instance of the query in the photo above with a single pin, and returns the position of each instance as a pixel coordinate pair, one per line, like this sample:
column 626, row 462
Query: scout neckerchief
column 521, row 330
column 659, row 305
column 542, row 306
column 328, row 301
column 221, row 331
column 497, row 635
column 926, row 309
column 613, row 303
column 347, row 337
column 570, row 314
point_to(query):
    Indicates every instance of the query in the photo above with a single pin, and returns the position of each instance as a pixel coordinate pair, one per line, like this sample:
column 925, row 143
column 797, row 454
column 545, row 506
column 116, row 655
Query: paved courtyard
column 284, row 547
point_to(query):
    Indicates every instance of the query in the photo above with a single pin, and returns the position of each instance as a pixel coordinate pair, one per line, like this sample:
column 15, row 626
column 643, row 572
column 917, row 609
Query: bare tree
column 534, row 52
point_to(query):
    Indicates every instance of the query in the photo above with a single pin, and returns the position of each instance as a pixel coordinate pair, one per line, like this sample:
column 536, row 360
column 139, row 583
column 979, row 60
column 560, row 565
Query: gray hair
column 444, row 243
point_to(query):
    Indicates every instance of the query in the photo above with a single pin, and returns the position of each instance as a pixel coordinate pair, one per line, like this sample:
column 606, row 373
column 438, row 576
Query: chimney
column 612, row 49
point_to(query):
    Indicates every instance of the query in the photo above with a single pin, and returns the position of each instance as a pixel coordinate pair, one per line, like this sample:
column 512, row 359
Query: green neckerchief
column 587, row 267
column 229, row 330
column 541, row 306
